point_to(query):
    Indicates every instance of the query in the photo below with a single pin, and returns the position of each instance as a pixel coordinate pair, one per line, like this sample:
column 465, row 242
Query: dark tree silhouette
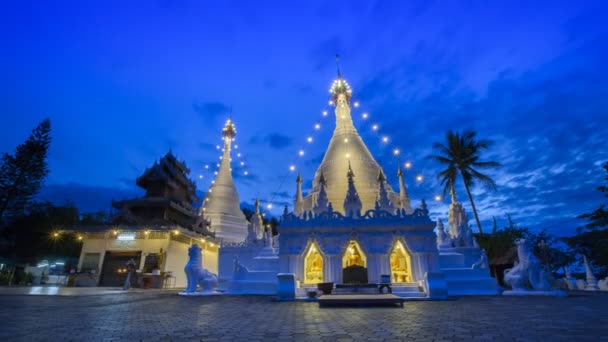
column 599, row 217
column 22, row 173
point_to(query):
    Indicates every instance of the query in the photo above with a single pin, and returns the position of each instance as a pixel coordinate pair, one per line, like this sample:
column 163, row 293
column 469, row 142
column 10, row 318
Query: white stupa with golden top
column 222, row 205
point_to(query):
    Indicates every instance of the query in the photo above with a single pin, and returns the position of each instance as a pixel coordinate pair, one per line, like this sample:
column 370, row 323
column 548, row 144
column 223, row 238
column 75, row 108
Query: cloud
column 207, row 147
column 210, row 110
column 87, row 198
column 281, row 194
column 546, row 122
column 275, row 141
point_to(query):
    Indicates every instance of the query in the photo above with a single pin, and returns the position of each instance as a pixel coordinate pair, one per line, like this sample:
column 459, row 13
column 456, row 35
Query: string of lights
column 385, row 141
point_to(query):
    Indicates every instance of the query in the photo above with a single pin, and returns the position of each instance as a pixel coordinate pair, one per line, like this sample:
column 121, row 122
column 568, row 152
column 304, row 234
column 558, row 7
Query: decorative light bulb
column 200, row 176
column 206, row 166
column 384, row 139
column 356, row 104
column 246, row 173
column 324, row 113
column 238, row 155
column 242, row 163
column 375, row 127
column 345, row 140
column 236, row 146
column 317, row 126
column 331, row 103
column 419, row 178
column 347, row 155
column 217, row 146
column 408, row 165
column 365, row 115
column 396, row 151
column 437, row 198
column 301, row 153
column 269, row 206
column 309, row 139
column 292, row 168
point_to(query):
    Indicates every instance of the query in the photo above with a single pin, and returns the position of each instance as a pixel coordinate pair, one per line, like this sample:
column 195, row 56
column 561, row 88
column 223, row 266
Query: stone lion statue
column 196, row 274
column 529, row 272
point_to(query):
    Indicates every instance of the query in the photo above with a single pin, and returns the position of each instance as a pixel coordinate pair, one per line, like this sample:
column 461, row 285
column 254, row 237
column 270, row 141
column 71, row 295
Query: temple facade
column 154, row 231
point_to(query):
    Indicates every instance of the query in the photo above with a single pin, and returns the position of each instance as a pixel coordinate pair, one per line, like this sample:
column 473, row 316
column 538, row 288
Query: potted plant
column 326, row 288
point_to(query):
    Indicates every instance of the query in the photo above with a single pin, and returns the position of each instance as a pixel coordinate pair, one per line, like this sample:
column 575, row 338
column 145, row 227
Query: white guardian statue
column 529, row 274
column 197, row 275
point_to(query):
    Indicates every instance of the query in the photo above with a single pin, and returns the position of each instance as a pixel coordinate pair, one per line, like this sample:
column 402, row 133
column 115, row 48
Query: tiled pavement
column 168, row 317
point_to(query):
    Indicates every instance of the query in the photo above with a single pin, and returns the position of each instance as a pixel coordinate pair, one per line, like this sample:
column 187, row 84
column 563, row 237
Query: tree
column 599, row 217
column 593, row 241
column 461, row 154
column 22, row 174
column 31, row 236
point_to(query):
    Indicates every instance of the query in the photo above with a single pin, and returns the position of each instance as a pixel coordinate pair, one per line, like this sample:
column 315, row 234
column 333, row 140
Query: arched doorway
column 313, row 265
column 401, row 269
column 354, row 264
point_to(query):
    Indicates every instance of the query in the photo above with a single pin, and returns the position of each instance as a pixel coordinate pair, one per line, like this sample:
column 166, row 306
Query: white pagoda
column 221, row 206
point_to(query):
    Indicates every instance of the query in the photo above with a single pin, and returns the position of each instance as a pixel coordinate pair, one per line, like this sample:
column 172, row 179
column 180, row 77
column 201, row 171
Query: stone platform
column 359, row 300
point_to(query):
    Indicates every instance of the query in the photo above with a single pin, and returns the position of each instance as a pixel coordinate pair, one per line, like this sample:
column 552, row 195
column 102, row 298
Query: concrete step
column 410, row 294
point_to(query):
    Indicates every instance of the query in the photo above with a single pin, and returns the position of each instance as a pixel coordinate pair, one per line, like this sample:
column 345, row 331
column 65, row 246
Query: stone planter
column 326, row 288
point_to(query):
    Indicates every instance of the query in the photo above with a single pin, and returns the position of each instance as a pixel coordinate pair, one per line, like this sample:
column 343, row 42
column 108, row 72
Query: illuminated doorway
column 313, row 265
column 400, row 264
column 353, row 256
column 354, row 264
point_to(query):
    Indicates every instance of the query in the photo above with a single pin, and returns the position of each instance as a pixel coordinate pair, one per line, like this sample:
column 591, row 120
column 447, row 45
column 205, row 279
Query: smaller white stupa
column 221, row 206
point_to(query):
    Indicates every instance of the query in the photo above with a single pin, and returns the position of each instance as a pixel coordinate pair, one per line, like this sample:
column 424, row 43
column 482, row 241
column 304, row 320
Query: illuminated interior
column 400, row 264
column 313, row 265
column 353, row 256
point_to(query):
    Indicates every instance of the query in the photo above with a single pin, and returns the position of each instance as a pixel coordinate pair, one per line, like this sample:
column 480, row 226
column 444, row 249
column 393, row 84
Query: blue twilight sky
column 125, row 81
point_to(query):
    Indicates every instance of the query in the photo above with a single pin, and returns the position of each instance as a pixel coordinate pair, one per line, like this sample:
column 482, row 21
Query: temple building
column 352, row 227
column 154, row 231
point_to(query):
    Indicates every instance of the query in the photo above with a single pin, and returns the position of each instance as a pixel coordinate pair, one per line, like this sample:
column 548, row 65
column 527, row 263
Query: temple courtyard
column 164, row 316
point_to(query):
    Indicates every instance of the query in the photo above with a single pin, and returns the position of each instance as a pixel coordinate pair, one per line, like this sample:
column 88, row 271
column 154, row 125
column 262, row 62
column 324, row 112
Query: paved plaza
column 164, row 316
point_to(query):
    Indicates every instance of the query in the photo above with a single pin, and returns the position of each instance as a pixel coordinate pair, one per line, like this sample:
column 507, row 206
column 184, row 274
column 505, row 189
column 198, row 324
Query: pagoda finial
column 257, row 205
column 340, row 86
column 352, row 202
column 298, row 207
column 322, row 201
column 338, row 66
column 383, row 198
column 404, row 198
column 229, row 131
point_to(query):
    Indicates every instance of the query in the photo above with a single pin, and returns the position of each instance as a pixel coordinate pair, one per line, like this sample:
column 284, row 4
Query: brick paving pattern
column 168, row 317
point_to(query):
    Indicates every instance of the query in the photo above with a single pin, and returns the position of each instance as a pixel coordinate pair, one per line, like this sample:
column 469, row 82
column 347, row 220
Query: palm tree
column 461, row 154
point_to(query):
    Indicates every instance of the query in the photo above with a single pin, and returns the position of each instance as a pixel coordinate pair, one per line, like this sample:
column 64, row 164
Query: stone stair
column 408, row 290
column 404, row 290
